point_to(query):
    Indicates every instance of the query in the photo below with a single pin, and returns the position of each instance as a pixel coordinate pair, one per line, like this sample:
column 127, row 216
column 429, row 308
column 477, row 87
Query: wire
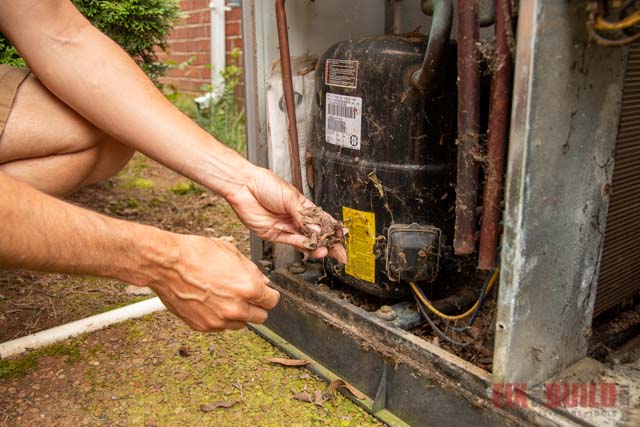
column 628, row 22
column 603, row 41
column 473, row 310
column 434, row 327
column 596, row 22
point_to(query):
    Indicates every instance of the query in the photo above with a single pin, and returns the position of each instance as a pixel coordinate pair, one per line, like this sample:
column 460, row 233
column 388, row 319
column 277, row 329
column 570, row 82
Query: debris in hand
column 288, row 362
column 336, row 384
column 216, row 405
column 321, row 230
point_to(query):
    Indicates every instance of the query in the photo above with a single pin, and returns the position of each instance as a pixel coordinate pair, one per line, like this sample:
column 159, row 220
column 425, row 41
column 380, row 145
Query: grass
column 138, row 183
column 19, row 367
column 185, row 188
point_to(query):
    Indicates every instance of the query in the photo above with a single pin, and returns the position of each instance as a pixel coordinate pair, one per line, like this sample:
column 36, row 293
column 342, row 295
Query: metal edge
column 327, row 375
column 256, row 147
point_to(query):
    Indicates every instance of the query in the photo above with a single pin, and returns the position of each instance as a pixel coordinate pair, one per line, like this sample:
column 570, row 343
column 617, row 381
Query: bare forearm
column 39, row 232
column 103, row 84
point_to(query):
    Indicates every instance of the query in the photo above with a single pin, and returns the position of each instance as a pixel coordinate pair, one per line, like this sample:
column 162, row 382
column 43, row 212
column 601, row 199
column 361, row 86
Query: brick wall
column 192, row 38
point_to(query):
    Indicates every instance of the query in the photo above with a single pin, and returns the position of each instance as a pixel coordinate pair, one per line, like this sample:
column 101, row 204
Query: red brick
column 233, row 28
column 233, row 43
column 234, row 14
column 198, row 17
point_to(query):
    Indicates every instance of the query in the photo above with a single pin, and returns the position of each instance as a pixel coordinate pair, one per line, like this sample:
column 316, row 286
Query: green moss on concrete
column 162, row 386
column 21, row 366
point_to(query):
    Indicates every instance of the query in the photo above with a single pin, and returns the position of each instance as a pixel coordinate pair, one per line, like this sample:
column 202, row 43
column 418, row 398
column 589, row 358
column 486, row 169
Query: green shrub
column 136, row 25
column 225, row 119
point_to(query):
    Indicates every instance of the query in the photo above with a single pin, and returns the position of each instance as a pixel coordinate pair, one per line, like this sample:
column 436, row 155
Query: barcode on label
column 343, row 121
column 336, row 125
column 341, row 110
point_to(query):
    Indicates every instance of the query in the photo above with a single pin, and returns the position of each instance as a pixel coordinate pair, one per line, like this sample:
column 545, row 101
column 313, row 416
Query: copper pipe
column 287, row 84
column 468, row 128
column 438, row 43
column 498, row 127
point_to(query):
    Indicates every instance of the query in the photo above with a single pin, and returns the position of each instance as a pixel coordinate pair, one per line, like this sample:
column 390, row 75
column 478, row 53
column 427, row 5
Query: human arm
column 91, row 74
column 207, row 283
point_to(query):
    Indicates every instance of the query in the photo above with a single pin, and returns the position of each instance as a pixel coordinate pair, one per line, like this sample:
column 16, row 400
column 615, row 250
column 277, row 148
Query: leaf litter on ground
column 288, row 362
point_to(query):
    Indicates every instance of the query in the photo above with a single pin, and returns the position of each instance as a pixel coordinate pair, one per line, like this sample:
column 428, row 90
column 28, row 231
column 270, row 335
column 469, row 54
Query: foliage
column 136, row 25
column 225, row 119
column 8, row 54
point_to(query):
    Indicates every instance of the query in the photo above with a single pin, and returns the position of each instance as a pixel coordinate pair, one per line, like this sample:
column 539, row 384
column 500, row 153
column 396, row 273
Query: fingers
column 339, row 253
column 256, row 315
column 320, row 252
column 267, row 299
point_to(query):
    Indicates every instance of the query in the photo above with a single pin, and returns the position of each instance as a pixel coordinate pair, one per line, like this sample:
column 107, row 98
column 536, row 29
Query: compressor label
column 344, row 120
column 341, row 73
column 360, row 243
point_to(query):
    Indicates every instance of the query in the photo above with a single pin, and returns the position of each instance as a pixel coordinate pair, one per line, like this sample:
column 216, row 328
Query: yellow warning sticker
column 360, row 243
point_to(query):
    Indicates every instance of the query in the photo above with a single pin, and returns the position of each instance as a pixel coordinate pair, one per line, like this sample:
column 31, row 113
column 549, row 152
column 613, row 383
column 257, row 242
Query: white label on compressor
column 344, row 120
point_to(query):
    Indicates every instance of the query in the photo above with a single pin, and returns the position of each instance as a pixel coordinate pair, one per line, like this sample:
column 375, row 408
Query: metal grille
column 620, row 272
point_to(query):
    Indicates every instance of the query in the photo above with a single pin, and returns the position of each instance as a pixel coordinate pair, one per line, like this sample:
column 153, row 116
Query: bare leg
column 54, row 149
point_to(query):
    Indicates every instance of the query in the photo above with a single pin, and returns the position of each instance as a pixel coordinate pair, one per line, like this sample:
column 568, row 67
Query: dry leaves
column 289, row 362
column 336, row 384
column 318, row 398
column 319, row 229
column 217, row 405
column 303, row 396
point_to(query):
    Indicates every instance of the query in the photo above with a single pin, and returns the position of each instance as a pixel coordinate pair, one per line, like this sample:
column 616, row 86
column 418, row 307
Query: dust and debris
column 288, row 362
column 339, row 383
column 376, row 182
column 303, row 396
column 218, row 405
column 320, row 229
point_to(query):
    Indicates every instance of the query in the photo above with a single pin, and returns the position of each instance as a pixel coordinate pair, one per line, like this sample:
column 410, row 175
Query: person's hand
column 212, row 286
column 272, row 208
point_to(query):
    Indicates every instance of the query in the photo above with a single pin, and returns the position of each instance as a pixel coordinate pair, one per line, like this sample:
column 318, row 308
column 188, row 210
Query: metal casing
column 401, row 167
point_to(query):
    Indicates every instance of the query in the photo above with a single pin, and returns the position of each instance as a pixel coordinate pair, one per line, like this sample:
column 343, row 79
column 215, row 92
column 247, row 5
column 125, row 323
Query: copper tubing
column 438, row 43
column 468, row 128
column 287, row 84
column 498, row 128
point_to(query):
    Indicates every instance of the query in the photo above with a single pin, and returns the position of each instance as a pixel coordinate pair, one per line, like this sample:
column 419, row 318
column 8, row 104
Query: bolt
column 297, row 268
column 386, row 313
column 266, row 265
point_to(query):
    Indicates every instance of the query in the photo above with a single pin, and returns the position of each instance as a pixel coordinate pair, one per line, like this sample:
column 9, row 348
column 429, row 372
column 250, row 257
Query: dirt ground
column 136, row 373
column 157, row 372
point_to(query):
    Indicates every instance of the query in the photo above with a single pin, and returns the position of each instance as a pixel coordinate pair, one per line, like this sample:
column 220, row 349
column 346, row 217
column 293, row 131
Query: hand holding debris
column 322, row 231
column 276, row 211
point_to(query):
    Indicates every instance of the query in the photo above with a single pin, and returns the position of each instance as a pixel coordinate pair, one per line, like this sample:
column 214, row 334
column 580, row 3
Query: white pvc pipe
column 218, row 44
column 89, row 324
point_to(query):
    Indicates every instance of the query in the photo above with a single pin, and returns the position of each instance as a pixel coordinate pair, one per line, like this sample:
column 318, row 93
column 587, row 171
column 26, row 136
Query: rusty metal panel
column 566, row 108
column 620, row 271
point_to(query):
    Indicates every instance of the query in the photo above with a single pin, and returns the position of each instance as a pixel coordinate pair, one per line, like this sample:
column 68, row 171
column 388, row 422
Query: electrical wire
column 628, row 22
column 435, row 328
column 603, row 41
column 596, row 23
column 425, row 301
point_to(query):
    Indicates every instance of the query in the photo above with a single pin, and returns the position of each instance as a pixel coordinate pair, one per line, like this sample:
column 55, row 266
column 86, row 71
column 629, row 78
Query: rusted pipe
column 468, row 128
column 498, row 127
column 289, row 100
column 438, row 42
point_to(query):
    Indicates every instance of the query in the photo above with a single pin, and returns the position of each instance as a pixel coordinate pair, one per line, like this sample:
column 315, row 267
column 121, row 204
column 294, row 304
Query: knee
column 110, row 158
